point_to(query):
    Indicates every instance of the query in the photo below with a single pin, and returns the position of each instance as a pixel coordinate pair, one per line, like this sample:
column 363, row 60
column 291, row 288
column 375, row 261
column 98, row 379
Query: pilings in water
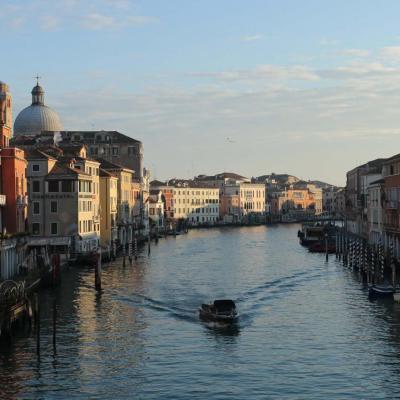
column 373, row 263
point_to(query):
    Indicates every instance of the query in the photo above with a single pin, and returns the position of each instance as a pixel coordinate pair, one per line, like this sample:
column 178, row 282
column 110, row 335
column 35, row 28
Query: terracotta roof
column 115, row 136
column 105, row 164
column 103, row 172
column 35, row 154
column 60, row 169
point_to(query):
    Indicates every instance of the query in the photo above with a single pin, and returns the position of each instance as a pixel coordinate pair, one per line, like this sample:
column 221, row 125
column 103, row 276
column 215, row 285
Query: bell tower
column 5, row 115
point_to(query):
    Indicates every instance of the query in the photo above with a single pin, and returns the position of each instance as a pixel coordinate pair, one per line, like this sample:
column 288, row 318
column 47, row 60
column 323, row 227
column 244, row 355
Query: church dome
column 37, row 117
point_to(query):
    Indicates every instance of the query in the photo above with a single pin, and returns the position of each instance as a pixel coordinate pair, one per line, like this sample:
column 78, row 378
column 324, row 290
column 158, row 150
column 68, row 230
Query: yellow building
column 108, row 208
column 125, row 199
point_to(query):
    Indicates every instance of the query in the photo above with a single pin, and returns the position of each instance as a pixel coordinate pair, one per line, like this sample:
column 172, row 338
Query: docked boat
column 220, row 311
column 383, row 290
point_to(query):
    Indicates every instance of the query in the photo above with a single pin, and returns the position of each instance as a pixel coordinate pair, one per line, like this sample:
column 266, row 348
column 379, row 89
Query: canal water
column 307, row 329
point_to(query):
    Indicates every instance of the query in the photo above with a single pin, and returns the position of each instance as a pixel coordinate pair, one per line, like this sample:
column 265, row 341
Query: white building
column 197, row 205
column 375, row 211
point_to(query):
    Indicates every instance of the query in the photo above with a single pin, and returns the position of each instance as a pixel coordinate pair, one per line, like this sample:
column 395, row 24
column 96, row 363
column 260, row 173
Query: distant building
column 242, row 200
column 192, row 201
column 156, row 208
column 219, row 180
column 333, row 201
column 358, row 181
column 391, row 203
column 112, row 146
column 375, row 215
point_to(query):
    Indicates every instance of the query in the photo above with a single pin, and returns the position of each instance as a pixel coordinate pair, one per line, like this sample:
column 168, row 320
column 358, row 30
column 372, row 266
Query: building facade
column 108, row 208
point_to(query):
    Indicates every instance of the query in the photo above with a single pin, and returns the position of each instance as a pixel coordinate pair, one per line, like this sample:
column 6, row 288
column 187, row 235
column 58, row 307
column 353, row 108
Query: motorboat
column 219, row 311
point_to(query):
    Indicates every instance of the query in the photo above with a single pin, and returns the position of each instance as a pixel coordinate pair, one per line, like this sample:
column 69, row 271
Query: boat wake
column 255, row 298
column 140, row 300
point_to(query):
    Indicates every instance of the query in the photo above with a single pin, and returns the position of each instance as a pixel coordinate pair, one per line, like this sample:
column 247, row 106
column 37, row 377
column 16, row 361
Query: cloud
column 49, row 23
column 16, row 22
column 391, row 53
column 90, row 14
column 359, row 53
column 98, row 21
column 328, row 42
column 137, row 20
column 274, row 74
column 252, row 38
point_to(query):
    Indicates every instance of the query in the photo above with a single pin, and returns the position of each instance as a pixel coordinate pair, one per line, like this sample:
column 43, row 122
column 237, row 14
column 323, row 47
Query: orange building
column 13, row 171
column 13, row 177
column 5, row 115
column 302, row 199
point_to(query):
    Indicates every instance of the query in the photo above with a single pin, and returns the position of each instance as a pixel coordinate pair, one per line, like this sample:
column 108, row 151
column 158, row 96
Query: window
column 36, row 186
column 53, row 206
column 54, row 228
column 36, row 167
column 115, row 151
column 36, row 207
column 131, row 150
column 53, row 186
column 35, row 228
column 66, row 186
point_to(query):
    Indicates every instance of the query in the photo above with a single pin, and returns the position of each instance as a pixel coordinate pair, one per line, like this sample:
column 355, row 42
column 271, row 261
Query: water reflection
column 302, row 322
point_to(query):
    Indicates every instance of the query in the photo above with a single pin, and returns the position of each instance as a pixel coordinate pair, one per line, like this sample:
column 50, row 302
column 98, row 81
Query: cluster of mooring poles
column 129, row 249
column 375, row 265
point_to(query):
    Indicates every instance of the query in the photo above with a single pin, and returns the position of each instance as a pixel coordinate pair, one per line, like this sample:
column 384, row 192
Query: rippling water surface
column 307, row 329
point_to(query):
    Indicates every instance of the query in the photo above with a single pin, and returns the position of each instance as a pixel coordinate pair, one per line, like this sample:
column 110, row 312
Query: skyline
column 215, row 87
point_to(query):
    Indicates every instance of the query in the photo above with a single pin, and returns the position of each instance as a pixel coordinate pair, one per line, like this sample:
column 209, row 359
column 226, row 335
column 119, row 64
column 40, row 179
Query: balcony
column 22, row 201
column 2, row 199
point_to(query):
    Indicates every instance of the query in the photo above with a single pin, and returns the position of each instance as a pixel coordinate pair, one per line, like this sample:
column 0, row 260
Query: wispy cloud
column 328, row 42
column 49, row 23
column 252, row 38
column 359, row 53
column 70, row 14
column 98, row 21
column 267, row 72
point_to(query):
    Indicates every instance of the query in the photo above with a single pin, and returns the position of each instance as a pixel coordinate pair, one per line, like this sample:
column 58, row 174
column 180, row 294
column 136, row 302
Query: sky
column 310, row 88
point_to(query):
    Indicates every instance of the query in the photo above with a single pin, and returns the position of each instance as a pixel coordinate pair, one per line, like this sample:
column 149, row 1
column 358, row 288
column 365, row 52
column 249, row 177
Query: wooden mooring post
column 54, row 325
column 130, row 252
column 135, row 247
column 114, row 250
column 37, row 324
column 97, row 270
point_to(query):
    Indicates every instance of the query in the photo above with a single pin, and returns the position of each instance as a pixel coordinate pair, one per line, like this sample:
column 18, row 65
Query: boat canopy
column 224, row 305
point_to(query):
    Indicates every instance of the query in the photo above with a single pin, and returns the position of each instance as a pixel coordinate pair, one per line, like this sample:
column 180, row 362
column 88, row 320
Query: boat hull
column 224, row 319
column 382, row 291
